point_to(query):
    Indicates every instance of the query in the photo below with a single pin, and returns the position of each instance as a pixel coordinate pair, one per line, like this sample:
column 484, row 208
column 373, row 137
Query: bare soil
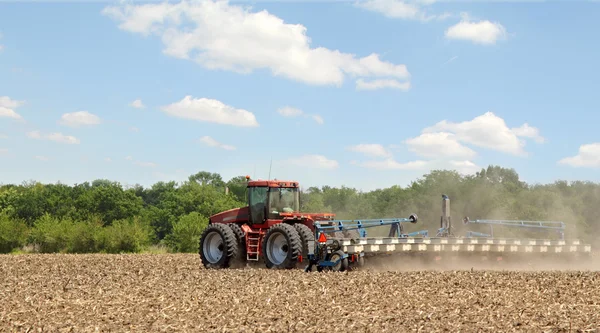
column 171, row 292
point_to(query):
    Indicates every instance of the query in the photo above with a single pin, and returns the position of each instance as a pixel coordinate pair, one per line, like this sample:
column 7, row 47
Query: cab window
column 257, row 199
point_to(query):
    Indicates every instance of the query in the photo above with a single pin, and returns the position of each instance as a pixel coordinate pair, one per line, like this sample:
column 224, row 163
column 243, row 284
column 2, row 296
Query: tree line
column 104, row 216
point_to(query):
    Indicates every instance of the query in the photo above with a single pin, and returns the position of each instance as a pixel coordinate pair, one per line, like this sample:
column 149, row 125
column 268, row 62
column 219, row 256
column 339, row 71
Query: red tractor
column 270, row 226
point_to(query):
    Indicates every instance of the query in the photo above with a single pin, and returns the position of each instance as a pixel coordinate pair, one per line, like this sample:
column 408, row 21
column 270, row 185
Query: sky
column 365, row 93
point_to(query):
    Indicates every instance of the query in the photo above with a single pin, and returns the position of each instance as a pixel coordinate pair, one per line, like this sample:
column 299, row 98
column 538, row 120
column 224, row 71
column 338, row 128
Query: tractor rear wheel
column 305, row 235
column 218, row 246
column 281, row 246
column 240, row 237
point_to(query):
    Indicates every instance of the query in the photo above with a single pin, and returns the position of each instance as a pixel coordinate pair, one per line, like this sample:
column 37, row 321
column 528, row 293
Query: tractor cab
column 267, row 199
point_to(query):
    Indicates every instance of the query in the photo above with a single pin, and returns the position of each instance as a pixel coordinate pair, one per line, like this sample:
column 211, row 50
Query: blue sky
column 365, row 94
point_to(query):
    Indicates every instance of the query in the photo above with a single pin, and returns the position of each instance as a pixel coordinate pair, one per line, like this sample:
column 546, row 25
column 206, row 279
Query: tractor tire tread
column 295, row 245
column 240, row 237
column 305, row 235
column 229, row 240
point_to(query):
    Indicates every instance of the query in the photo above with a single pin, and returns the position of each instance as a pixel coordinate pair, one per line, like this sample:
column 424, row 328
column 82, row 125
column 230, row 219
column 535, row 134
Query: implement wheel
column 281, row 246
column 342, row 265
column 218, row 245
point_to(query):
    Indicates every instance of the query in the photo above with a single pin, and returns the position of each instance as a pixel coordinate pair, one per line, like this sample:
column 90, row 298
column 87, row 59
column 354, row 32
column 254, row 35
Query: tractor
column 270, row 226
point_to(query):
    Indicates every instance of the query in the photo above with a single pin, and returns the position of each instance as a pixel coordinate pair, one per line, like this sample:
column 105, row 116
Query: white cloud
column 443, row 145
column 108, row 159
column 464, row 167
column 588, row 156
column 3, row 136
column 59, row 137
column 437, row 145
column 381, row 84
column 134, row 129
column 207, row 140
column 7, row 102
column 482, row 32
column 288, row 111
column 9, row 113
column 56, row 137
column 220, row 36
column 313, row 162
column 210, row 110
column 488, row 131
column 408, row 10
column 371, row 149
column 129, row 158
column 41, row 158
column 3, row 150
column 318, row 119
column 79, row 118
column 137, row 104
column 527, row 131
column 7, row 106
column 391, row 164
column 34, row 135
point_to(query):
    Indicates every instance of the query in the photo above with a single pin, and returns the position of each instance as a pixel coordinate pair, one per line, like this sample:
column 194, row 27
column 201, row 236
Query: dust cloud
column 523, row 263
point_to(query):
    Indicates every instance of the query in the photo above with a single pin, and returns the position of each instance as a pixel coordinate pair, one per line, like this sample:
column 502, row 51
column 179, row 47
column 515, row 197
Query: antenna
column 270, row 166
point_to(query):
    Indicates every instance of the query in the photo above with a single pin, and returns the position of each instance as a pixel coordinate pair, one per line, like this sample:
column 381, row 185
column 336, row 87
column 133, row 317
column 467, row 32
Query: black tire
column 240, row 237
column 360, row 263
column 413, row 218
column 342, row 265
column 305, row 235
column 228, row 248
column 291, row 246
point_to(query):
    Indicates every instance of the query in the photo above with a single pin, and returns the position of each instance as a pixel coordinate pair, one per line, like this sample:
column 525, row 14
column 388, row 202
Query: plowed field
column 153, row 293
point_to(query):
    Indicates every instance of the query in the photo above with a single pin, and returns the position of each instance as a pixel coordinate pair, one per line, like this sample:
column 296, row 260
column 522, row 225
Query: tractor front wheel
column 281, row 246
column 218, row 246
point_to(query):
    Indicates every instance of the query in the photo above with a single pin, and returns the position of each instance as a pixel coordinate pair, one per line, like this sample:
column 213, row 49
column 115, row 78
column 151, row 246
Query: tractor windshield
column 283, row 200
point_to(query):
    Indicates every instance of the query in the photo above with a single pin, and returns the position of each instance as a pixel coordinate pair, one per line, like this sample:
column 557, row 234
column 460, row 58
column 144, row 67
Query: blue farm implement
column 557, row 226
column 340, row 254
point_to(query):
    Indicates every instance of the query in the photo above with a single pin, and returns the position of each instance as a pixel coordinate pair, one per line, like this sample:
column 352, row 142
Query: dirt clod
column 160, row 293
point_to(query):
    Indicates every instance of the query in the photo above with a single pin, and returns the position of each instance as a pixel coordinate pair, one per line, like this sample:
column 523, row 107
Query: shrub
column 51, row 235
column 13, row 233
column 128, row 235
column 86, row 237
column 186, row 232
